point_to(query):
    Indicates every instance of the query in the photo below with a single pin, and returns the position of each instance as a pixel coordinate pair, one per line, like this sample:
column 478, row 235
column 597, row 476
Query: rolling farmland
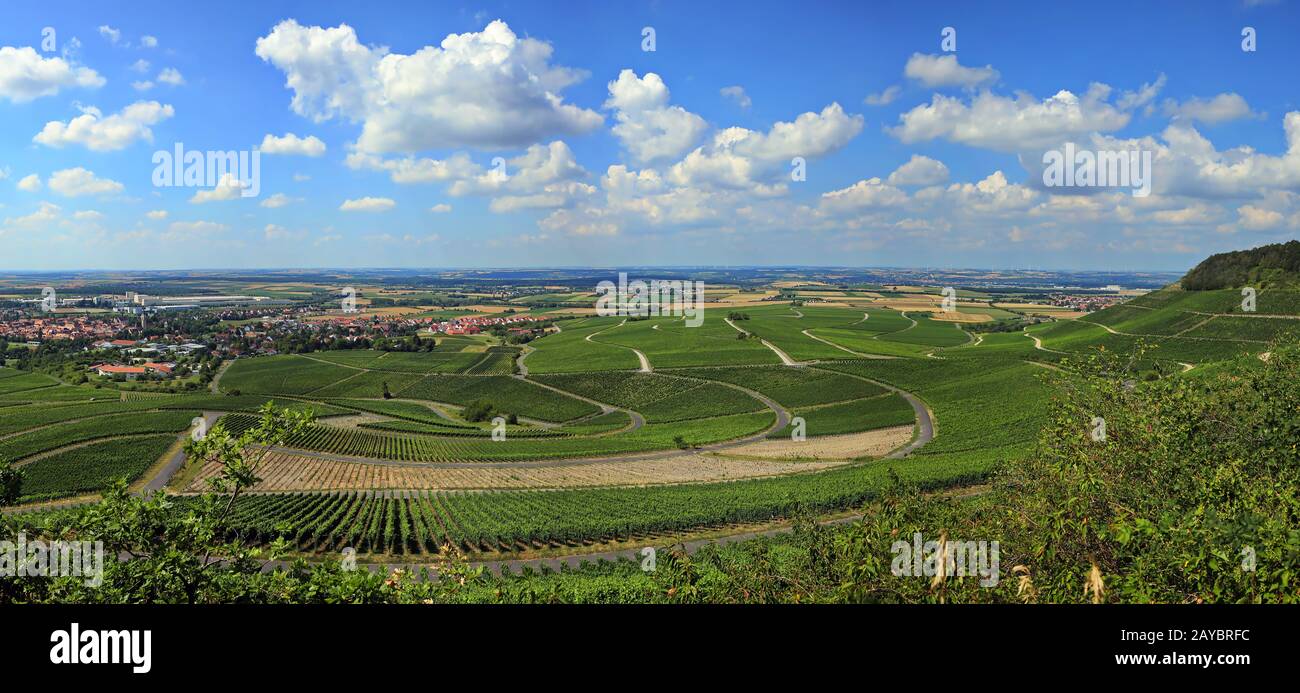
column 603, row 450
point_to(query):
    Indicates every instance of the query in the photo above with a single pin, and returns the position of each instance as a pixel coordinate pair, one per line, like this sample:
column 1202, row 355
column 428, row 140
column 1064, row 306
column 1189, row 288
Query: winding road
column 785, row 358
column 645, row 362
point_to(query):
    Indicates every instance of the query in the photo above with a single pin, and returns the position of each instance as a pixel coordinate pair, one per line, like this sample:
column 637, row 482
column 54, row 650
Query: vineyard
column 454, row 446
column 660, row 398
column 397, row 464
column 421, row 522
column 92, row 467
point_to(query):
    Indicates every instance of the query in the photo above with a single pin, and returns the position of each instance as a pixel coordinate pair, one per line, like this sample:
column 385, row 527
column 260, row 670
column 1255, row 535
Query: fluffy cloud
column 45, row 215
column 99, row 133
column 278, row 200
column 1220, row 109
column 413, row 170
column 148, row 41
column 486, row 90
column 537, row 168
column 30, row 183
column 157, row 214
column 648, row 127
column 25, row 75
column 293, row 144
column 864, row 194
column 440, row 208
column 944, row 71
column 739, row 158
column 108, row 32
column 885, row 97
column 1186, row 163
column 77, row 182
column 367, row 204
column 228, row 188
column 1130, row 100
column 1255, row 218
column 171, row 76
column 543, row 176
column 1008, row 124
column 920, row 170
column 737, row 94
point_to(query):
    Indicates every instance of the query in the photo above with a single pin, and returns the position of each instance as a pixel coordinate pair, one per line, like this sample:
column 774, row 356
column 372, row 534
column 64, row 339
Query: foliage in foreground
column 1192, row 496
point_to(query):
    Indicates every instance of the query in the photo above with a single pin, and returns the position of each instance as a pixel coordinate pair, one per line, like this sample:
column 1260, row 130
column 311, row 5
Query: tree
column 478, row 410
column 11, row 483
column 387, row 394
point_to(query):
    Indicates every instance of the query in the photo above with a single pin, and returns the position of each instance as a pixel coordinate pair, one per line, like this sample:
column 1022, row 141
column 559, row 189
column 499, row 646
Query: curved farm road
column 782, row 420
column 785, row 358
column 216, row 378
column 1038, row 344
column 637, row 420
column 924, row 420
column 645, row 362
column 519, row 361
column 924, row 435
column 156, row 479
column 859, row 354
column 176, row 461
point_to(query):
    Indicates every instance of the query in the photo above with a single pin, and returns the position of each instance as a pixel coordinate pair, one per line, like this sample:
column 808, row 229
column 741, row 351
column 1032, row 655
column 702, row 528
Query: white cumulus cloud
column 648, row 127
column 920, row 170
column 100, row 133
column 367, row 204
column 77, row 182
column 737, row 94
column 293, row 144
column 25, row 75
column 1220, row 109
column 945, row 71
column 485, row 90
column 30, row 183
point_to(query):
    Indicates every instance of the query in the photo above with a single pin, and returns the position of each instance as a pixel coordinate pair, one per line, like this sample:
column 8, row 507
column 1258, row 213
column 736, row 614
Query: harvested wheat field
column 284, row 471
column 961, row 317
column 843, row 447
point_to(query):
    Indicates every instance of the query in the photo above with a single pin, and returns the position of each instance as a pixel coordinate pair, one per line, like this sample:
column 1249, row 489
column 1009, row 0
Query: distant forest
column 1237, row 268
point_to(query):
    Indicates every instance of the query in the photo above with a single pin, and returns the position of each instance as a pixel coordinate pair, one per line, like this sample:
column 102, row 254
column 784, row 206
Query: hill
column 1266, row 267
column 1201, row 319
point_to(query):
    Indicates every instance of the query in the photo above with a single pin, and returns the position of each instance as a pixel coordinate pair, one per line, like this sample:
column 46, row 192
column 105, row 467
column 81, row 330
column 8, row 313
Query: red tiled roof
column 137, row 370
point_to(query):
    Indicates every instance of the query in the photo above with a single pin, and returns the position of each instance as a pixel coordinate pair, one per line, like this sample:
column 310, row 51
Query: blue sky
column 614, row 155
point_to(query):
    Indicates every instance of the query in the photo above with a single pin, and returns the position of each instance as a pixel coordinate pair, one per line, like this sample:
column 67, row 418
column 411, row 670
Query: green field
column 989, row 394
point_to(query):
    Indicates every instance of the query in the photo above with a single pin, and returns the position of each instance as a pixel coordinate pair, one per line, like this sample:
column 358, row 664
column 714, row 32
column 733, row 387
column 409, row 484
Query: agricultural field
column 853, row 416
column 669, row 343
column 572, row 349
column 791, row 387
column 92, row 467
column 661, row 398
column 402, row 460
